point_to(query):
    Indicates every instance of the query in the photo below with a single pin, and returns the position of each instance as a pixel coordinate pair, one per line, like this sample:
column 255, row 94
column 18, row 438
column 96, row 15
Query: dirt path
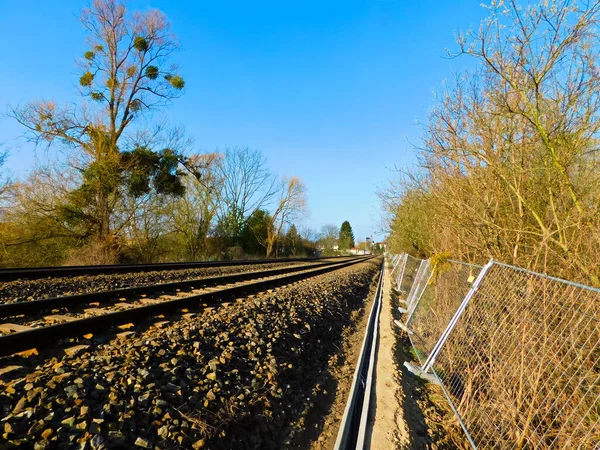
column 400, row 399
column 389, row 429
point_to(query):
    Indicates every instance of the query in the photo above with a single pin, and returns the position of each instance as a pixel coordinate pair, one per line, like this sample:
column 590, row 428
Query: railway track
column 79, row 315
column 31, row 273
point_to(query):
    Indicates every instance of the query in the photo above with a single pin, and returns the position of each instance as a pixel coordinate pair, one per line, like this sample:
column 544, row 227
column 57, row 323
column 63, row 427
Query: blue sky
column 330, row 91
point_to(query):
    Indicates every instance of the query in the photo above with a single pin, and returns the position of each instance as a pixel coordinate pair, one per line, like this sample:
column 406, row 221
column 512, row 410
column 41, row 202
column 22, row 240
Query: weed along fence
column 517, row 353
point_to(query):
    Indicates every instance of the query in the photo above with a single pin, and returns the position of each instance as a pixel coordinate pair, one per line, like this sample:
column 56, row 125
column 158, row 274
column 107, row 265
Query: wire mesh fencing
column 406, row 278
column 438, row 302
column 517, row 354
column 419, row 284
column 410, row 275
column 398, row 263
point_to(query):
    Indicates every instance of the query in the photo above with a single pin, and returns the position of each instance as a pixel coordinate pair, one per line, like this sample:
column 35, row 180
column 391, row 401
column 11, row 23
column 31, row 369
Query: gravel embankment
column 25, row 290
column 234, row 377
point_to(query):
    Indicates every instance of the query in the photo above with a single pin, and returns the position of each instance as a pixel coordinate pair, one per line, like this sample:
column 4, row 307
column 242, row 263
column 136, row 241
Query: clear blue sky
column 328, row 90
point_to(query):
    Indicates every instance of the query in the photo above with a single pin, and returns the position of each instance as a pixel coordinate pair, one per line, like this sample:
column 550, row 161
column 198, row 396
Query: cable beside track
column 354, row 427
column 46, row 336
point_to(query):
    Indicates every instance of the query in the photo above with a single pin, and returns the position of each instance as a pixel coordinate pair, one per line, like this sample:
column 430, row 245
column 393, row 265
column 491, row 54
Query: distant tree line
column 334, row 241
column 41, row 223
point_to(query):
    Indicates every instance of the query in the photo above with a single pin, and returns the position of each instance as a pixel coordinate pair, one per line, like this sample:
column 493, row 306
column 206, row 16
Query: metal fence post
column 405, row 258
column 410, row 300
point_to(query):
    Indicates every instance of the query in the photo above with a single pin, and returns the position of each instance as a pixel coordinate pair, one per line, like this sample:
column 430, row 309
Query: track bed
column 27, row 290
column 246, row 375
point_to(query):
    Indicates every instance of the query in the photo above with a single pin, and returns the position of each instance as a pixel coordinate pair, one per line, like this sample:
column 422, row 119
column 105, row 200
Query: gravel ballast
column 240, row 376
column 26, row 290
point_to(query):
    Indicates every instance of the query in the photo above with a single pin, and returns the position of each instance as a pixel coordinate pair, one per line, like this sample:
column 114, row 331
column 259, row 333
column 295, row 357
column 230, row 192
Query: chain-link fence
column 438, row 303
column 418, row 286
column 398, row 263
column 517, row 354
column 404, row 272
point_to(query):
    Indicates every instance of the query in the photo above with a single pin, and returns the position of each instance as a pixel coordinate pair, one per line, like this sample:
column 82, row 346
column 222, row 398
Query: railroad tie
column 125, row 334
column 96, row 311
column 72, row 351
column 149, row 301
column 59, row 318
column 7, row 328
column 10, row 369
column 180, row 294
column 125, row 305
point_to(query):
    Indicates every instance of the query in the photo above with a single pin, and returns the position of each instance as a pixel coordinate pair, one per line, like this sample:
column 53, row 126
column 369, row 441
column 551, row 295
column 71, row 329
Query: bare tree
column 192, row 216
column 329, row 237
column 510, row 163
column 30, row 232
column 291, row 204
column 310, row 235
column 248, row 185
column 5, row 179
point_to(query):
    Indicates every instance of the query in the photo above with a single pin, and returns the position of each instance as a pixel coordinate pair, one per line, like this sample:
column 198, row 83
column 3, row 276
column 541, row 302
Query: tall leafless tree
column 248, row 185
column 290, row 204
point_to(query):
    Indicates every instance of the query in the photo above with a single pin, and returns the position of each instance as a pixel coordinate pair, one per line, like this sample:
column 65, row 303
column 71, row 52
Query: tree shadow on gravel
column 316, row 417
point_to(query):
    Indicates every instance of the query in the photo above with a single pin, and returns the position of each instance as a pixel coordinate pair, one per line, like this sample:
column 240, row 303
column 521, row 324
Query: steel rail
column 34, row 306
column 45, row 336
column 29, row 273
column 352, row 433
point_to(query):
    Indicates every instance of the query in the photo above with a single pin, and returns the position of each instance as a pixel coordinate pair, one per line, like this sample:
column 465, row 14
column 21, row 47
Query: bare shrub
column 94, row 253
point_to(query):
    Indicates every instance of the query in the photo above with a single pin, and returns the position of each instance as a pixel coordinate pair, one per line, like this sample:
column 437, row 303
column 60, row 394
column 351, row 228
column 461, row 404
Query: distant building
column 334, row 248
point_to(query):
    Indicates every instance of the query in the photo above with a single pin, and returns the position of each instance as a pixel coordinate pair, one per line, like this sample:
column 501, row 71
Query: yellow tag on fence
column 471, row 278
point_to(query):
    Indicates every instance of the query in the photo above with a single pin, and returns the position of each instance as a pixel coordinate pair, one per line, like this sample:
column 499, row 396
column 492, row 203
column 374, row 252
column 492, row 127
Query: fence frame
column 461, row 309
column 427, row 369
column 415, row 304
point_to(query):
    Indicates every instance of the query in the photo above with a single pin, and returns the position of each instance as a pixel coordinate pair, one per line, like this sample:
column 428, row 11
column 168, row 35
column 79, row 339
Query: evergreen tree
column 293, row 241
column 346, row 238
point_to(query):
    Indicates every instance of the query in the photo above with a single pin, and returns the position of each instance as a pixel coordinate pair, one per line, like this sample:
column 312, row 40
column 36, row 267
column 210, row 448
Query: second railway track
column 23, row 337
column 32, row 273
